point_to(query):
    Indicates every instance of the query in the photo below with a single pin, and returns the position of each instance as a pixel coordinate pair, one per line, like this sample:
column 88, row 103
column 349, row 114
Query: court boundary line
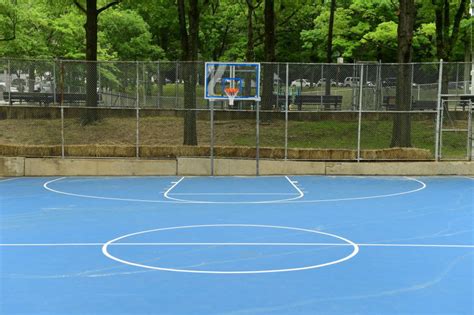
column 299, row 196
column 233, row 244
column 2, row 180
column 423, row 186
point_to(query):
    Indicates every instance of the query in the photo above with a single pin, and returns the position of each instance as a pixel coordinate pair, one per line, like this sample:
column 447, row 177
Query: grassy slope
column 169, row 130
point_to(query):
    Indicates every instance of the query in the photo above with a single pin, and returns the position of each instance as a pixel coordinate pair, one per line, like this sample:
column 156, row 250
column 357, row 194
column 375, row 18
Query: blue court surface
column 237, row 245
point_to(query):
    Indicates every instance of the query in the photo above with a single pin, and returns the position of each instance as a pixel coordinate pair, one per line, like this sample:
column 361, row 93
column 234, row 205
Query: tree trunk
column 189, row 46
column 250, row 53
column 91, row 53
column 91, row 28
column 269, row 52
column 445, row 41
column 401, row 135
column 31, row 77
column 329, row 47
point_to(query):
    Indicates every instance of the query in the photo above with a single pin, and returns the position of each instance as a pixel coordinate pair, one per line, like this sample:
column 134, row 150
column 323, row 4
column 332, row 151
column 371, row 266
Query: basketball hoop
column 231, row 93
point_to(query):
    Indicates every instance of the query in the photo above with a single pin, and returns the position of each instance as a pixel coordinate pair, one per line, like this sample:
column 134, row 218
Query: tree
column 8, row 21
column 189, row 33
column 447, row 34
column 329, row 45
column 251, row 7
column 91, row 27
column 269, row 55
column 129, row 36
column 401, row 134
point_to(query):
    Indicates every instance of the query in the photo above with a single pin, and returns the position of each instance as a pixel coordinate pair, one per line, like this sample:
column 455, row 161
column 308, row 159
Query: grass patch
column 168, row 131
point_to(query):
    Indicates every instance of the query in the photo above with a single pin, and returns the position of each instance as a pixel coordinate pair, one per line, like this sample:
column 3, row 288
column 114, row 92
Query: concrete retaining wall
column 17, row 166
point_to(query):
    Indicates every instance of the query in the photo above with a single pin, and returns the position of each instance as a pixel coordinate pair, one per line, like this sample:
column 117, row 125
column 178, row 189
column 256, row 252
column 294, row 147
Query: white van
column 351, row 81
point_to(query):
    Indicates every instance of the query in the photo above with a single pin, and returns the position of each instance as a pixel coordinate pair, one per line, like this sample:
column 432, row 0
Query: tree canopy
column 364, row 30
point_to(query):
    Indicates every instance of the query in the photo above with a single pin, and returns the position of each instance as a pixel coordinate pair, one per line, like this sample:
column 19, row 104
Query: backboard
column 220, row 76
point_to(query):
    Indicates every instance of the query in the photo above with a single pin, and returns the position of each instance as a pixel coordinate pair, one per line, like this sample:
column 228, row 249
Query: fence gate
column 455, row 127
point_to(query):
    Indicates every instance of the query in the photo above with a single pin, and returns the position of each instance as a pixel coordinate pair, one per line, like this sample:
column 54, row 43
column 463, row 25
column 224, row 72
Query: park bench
column 424, row 105
column 44, row 98
column 20, row 97
column 465, row 101
column 389, row 102
column 327, row 101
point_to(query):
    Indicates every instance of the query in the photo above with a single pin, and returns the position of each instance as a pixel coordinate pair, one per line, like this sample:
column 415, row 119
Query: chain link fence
column 354, row 112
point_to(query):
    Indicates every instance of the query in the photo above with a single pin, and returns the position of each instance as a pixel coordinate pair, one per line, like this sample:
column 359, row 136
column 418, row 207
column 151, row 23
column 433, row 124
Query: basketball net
column 231, row 93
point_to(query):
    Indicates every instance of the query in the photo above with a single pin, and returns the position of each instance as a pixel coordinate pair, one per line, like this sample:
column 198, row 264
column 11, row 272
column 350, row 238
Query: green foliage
column 126, row 34
column 149, row 30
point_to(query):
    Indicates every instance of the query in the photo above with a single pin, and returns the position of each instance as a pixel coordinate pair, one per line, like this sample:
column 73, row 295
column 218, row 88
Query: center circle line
column 347, row 242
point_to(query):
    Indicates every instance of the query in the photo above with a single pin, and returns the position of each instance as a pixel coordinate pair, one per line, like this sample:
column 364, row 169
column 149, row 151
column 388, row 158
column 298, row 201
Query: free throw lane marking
column 291, row 200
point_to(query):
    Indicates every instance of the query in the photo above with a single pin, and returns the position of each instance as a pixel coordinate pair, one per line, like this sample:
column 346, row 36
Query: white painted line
column 131, row 263
column 296, row 187
column 279, row 201
column 173, row 186
column 9, row 179
column 232, row 194
column 423, row 186
column 46, row 186
column 299, row 195
column 232, row 244
column 50, row 244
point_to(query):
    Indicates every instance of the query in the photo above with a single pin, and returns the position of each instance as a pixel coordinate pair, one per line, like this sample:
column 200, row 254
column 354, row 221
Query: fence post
column 359, row 127
column 438, row 114
column 469, row 130
column 286, row 110
column 137, row 148
column 176, row 84
column 9, row 82
column 257, row 144
column 145, row 82
column 61, row 82
column 54, row 83
column 211, row 105
column 158, row 83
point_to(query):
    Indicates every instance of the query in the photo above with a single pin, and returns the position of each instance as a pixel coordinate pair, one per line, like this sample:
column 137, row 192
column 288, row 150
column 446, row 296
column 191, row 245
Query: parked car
column 44, row 87
column 456, row 85
column 351, row 81
column 388, row 82
column 3, row 87
column 392, row 82
column 322, row 82
column 301, row 83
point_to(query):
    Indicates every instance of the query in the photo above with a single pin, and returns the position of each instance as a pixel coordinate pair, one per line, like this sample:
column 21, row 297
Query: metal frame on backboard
column 256, row 97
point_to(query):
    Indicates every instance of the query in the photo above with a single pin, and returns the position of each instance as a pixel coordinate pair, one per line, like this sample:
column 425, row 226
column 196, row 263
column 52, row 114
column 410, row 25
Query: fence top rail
column 355, row 63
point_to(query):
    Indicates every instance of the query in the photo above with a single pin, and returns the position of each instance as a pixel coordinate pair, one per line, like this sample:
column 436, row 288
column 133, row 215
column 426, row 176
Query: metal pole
column 62, row 131
column 360, row 111
column 286, row 110
column 61, row 81
column 469, row 130
column 144, row 79
column 99, row 77
column 54, row 83
column 9, row 83
column 438, row 114
column 158, row 81
column 176, row 86
column 137, row 147
column 257, row 144
column 211, row 104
